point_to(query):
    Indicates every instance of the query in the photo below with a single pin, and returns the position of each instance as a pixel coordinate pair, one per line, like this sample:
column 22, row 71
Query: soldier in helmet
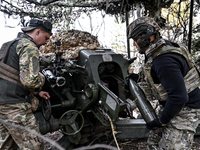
column 173, row 80
column 19, row 63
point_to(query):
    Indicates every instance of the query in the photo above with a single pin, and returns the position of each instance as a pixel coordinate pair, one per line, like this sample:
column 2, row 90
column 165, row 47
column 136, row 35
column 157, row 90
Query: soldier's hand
column 40, row 74
column 153, row 125
column 44, row 94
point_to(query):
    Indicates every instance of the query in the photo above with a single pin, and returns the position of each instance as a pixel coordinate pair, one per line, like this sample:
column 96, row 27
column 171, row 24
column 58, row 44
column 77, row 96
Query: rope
column 113, row 132
column 96, row 146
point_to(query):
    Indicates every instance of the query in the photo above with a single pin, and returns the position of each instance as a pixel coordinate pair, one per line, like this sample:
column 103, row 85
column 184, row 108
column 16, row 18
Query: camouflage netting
column 72, row 41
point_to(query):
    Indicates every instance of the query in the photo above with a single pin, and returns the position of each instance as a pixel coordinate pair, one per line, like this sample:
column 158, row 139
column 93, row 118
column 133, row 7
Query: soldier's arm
column 168, row 69
column 29, row 64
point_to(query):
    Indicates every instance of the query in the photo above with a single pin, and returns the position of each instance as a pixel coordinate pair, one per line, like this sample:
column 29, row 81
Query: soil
column 140, row 144
column 134, row 144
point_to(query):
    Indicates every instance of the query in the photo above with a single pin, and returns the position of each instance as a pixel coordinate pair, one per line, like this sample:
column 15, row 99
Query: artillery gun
column 92, row 96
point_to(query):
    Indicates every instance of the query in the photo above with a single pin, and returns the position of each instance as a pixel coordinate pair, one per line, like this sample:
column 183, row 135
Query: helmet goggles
column 45, row 24
column 35, row 23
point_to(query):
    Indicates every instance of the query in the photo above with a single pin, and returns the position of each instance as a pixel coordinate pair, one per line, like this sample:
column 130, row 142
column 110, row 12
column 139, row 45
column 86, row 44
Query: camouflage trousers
column 21, row 115
column 178, row 134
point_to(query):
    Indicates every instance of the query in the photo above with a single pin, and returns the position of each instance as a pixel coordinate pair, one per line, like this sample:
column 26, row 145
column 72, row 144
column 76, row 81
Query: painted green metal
column 98, row 88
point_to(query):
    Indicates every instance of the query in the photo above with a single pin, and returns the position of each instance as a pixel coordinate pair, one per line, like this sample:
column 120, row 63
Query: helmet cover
column 141, row 21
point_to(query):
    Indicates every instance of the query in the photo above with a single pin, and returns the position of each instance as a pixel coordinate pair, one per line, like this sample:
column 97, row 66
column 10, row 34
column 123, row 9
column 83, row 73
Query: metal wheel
column 68, row 119
column 46, row 109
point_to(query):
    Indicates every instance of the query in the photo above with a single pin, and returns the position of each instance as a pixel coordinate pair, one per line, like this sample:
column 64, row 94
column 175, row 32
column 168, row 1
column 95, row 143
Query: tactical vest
column 156, row 91
column 7, row 72
column 11, row 89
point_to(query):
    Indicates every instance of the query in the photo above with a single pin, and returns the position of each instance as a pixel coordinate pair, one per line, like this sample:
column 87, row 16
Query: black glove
column 153, row 125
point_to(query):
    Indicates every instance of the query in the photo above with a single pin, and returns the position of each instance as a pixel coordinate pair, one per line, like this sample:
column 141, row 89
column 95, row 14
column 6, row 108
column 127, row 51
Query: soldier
column 19, row 74
column 173, row 80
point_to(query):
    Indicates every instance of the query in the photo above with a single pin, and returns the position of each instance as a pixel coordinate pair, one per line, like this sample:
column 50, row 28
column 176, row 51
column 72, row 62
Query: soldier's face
column 136, row 45
column 41, row 37
column 139, row 48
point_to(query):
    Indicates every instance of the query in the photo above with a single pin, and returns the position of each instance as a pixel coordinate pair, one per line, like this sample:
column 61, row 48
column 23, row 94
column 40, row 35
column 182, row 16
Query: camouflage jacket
column 156, row 91
column 28, row 62
column 23, row 56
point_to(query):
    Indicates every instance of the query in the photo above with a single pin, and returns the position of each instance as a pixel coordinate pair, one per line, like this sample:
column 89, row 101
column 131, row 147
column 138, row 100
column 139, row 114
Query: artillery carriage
column 92, row 99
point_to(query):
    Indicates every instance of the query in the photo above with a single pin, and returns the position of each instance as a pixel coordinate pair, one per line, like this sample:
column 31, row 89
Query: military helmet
column 44, row 25
column 141, row 29
column 140, row 25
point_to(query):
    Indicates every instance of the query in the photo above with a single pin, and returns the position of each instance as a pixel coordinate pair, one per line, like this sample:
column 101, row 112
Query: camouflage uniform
column 14, row 107
column 29, row 62
column 178, row 134
column 19, row 114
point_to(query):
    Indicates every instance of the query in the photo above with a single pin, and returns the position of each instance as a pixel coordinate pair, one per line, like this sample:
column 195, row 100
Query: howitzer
column 95, row 93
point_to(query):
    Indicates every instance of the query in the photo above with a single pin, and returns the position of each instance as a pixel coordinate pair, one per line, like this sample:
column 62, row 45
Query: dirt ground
column 134, row 144
column 140, row 144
